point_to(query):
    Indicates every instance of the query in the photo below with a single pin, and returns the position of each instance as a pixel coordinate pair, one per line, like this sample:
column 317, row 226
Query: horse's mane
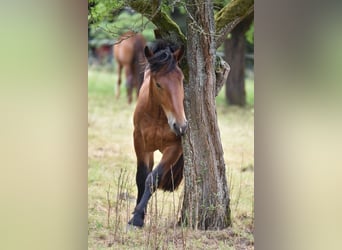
column 162, row 58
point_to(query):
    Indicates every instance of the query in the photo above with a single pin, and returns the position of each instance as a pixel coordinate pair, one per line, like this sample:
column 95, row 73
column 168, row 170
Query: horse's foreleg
column 143, row 169
column 142, row 173
column 144, row 163
column 150, row 186
column 170, row 157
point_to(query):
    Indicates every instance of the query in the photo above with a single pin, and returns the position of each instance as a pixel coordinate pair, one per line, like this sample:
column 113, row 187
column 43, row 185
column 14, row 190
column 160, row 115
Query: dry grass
column 111, row 179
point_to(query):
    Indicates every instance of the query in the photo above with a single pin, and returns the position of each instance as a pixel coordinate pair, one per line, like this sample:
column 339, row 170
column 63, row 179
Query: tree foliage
column 250, row 34
column 99, row 11
column 228, row 15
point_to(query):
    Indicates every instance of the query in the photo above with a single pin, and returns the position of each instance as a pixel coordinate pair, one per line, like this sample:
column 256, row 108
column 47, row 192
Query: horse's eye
column 158, row 85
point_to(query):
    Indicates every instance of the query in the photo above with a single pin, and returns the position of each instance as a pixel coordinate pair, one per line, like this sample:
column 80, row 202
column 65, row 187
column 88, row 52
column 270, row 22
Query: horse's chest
column 156, row 138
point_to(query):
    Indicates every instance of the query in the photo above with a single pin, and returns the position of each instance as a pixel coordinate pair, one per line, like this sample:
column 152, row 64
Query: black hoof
column 136, row 221
column 130, row 227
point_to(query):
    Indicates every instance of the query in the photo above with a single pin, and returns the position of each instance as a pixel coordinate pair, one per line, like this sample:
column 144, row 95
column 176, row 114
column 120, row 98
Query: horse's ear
column 178, row 54
column 148, row 52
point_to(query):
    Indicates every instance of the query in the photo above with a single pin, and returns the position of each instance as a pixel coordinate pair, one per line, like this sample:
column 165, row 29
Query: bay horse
column 159, row 122
column 129, row 54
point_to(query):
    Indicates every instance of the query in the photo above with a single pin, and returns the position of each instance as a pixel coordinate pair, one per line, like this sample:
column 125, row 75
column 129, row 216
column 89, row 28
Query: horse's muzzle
column 180, row 129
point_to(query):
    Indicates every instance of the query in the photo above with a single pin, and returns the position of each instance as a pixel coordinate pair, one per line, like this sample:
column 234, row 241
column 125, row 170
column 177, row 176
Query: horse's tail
column 138, row 62
column 173, row 176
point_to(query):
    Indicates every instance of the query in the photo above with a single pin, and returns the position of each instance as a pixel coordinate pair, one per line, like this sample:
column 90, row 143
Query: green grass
column 249, row 85
column 111, row 177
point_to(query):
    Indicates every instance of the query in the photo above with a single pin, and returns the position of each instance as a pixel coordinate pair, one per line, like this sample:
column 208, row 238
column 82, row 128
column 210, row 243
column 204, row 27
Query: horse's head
column 166, row 83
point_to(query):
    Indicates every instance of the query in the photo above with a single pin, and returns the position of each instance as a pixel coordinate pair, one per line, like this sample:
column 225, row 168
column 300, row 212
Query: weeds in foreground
column 161, row 230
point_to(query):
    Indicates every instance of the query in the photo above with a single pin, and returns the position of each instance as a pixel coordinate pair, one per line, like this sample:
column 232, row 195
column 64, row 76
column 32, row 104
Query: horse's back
column 124, row 51
column 127, row 45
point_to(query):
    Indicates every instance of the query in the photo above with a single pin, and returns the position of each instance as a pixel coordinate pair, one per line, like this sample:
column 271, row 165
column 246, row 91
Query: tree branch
column 166, row 27
column 222, row 70
column 226, row 19
column 229, row 16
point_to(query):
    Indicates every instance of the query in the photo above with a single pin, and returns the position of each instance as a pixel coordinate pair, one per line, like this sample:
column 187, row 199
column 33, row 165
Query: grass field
column 111, row 177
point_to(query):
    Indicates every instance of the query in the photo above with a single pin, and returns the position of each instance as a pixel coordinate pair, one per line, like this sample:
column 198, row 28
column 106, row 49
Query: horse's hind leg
column 139, row 78
column 129, row 94
column 119, row 81
column 129, row 83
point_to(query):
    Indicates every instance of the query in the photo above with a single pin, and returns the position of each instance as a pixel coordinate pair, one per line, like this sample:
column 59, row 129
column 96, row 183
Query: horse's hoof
column 131, row 227
column 136, row 222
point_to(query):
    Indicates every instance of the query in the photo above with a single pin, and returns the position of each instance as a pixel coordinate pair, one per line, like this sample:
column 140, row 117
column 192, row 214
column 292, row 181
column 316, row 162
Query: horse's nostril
column 179, row 130
column 185, row 126
column 183, row 129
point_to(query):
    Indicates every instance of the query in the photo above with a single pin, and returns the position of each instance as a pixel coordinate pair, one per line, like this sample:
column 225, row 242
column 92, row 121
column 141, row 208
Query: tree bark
column 234, row 50
column 206, row 197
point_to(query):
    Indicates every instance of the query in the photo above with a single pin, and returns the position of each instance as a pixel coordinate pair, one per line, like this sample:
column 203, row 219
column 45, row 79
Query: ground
column 111, row 177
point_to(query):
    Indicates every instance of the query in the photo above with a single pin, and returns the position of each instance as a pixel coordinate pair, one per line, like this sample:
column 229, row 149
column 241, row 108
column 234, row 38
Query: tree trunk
column 234, row 50
column 206, row 196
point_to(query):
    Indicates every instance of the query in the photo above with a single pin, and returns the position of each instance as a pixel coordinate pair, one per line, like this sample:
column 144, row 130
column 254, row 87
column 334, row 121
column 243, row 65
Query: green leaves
column 250, row 34
column 108, row 19
column 99, row 11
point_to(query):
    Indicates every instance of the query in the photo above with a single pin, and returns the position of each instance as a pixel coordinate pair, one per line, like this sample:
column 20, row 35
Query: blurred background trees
column 108, row 19
column 238, row 52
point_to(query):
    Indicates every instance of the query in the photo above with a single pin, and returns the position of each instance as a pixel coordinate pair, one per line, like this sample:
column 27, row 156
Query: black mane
column 162, row 58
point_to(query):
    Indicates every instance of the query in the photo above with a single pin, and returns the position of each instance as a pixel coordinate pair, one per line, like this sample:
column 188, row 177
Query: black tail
column 173, row 176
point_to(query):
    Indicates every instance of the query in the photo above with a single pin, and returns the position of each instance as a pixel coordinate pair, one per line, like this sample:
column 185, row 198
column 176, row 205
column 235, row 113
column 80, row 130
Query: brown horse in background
column 159, row 123
column 128, row 53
